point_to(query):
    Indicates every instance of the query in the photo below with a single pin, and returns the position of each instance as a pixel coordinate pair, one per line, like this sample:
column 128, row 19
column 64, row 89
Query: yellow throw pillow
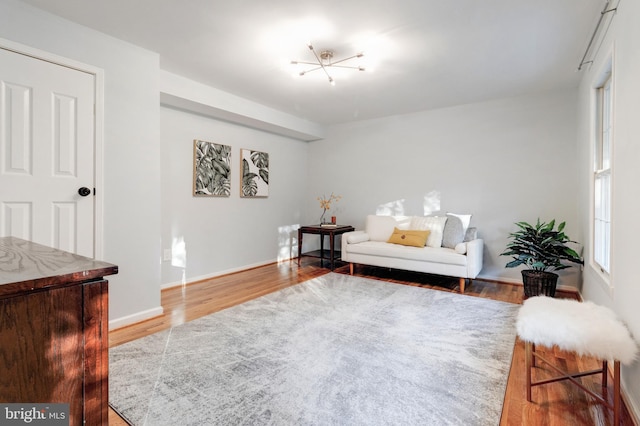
column 409, row 237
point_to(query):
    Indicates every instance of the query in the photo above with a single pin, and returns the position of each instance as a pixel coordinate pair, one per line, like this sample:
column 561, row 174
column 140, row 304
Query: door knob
column 84, row 191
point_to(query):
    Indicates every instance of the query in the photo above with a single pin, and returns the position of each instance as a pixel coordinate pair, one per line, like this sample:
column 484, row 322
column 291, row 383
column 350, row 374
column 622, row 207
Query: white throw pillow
column 461, row 248
column 435, row 224
column 380, row 228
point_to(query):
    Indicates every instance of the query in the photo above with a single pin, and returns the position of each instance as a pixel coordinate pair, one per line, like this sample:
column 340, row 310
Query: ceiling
column 424, row 53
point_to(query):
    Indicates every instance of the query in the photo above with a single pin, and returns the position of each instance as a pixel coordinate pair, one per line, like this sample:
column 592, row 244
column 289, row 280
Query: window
column 602, row 177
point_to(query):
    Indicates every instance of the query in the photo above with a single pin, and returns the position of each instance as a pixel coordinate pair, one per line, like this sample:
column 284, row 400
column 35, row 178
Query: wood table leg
column 299, row 245
column 331, row 248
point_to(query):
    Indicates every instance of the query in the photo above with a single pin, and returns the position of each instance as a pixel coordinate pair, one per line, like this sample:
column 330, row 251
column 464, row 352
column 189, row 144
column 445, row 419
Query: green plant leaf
column 514, row 263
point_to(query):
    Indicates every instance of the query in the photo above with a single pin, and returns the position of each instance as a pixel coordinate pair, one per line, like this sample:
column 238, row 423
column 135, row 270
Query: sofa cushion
column 426, row 254
column 465, row 218
column 471, row 234
column 380, row 228
column 357, row 237
column 434, row 224
column 453, row 232
column 409, row 237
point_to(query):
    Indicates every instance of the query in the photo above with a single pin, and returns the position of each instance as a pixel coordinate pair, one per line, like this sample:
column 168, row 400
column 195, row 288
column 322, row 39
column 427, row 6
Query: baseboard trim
column 499, row 280
column 217, row 274
column 135, row 318
column 518, row 282
column 633, row 409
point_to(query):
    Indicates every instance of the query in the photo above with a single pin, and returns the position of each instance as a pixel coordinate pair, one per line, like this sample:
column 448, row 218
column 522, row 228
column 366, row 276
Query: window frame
column 602, row 174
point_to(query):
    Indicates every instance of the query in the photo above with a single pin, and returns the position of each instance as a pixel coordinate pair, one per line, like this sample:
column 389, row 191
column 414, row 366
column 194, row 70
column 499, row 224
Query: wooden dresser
column 54, row 329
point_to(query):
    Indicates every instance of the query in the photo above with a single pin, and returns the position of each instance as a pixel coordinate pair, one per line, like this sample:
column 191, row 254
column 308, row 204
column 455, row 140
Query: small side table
column 331, row 231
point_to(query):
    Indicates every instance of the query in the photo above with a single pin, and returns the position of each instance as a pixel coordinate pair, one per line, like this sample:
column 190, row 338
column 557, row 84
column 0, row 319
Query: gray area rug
column 335, row 350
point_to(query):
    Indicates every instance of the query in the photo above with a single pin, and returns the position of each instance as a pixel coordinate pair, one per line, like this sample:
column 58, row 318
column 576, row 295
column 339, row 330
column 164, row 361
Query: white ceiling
column 429, row 53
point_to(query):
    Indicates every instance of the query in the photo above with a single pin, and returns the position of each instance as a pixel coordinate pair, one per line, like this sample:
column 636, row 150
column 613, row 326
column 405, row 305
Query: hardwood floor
column 554, row 404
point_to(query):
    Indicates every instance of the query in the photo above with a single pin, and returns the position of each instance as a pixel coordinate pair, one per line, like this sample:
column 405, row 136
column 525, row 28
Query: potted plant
column 542, row 249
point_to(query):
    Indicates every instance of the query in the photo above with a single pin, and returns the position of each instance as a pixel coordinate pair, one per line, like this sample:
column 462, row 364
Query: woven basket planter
column 539, row 283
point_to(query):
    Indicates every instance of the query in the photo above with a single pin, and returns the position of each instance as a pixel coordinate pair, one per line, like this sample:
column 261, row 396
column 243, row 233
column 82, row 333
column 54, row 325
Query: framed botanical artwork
column 254, row 181
column 211, row 169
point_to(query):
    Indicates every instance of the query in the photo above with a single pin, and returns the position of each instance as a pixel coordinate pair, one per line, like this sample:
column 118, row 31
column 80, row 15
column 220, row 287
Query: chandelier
column 324, row 60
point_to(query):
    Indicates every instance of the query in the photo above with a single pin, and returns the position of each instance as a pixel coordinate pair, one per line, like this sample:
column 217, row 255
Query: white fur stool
column 584, row 328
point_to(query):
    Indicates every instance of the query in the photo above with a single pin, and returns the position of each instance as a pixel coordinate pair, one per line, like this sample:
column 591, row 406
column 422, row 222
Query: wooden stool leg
column 616, row 393
column 533, row 358
column 350, row 268
column 605, row 373
column 528, row 356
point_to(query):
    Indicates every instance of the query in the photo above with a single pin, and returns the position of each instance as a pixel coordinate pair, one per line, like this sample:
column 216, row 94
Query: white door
column 46, row 153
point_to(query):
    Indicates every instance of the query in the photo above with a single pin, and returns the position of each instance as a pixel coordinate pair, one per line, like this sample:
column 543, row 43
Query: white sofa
column 452, row 248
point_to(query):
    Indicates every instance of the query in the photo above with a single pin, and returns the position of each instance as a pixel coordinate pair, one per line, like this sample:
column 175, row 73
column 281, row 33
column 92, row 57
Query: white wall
column 623, row 41
column 503, row 161
column 209, row 236
column 131, row 149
